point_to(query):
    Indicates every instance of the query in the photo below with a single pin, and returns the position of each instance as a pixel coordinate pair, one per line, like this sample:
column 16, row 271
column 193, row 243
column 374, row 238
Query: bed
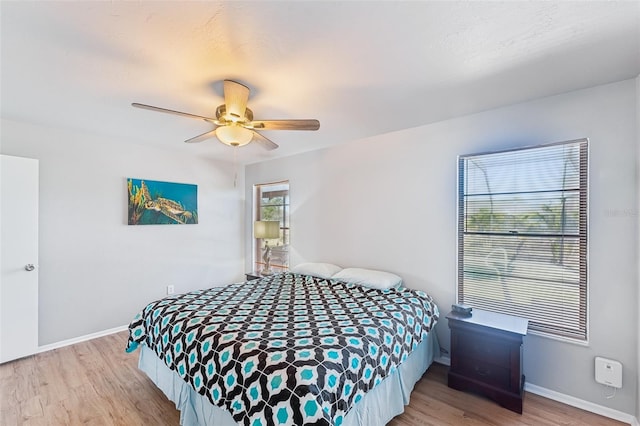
column 289, row 349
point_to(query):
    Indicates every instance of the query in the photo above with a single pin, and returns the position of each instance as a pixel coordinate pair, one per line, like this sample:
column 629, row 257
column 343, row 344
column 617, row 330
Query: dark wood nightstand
column 253, row 276
column 486, row 356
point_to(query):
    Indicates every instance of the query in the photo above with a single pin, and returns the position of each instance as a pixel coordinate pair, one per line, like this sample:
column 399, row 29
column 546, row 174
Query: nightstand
column 253, row 276
column 486, row 356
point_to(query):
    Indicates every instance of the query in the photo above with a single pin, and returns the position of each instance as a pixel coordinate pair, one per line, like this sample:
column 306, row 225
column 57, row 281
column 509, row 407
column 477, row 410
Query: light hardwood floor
column 97, row 383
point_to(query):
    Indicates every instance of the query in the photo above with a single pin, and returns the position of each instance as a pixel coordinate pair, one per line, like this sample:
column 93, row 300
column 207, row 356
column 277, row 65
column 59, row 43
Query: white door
column 18, row 257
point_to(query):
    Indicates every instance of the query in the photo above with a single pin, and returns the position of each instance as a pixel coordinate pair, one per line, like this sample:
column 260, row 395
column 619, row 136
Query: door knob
column 29, row 267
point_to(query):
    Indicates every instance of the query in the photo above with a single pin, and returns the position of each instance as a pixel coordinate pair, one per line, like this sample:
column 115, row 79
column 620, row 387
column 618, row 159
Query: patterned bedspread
column 287, row 349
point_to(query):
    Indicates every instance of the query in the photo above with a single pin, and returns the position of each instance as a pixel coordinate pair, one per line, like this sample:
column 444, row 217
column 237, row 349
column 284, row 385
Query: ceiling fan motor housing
column 221, row 115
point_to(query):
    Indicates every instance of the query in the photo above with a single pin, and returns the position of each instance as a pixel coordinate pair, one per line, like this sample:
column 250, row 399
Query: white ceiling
column 361, row 67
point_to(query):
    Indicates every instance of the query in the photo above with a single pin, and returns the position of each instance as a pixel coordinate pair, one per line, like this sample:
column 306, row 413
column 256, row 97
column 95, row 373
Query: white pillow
column 369, row 278
column 321, row 270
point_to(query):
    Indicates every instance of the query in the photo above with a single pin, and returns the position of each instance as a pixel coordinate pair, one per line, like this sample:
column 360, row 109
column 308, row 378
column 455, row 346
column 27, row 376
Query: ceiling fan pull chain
column 235, row 166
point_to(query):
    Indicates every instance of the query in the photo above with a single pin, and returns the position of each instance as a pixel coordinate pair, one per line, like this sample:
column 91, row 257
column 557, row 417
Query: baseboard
column 582, row 404
column 566, row 399
column 444, row 360
column 79, row 339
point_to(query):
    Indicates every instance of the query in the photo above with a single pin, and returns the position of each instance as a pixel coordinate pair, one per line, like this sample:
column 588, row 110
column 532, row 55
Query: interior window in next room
column 272, row 204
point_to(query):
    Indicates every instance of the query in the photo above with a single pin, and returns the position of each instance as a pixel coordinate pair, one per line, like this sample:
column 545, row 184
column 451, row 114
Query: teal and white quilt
column 288, row 349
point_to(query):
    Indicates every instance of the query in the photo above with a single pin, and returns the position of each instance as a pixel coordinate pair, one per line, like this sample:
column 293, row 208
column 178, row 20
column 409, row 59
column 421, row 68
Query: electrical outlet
column 170, row 289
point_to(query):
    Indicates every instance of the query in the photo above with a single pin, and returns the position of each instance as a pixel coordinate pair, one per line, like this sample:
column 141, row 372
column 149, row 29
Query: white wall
column 96, row 272
column 389, row 202
column 638, row 254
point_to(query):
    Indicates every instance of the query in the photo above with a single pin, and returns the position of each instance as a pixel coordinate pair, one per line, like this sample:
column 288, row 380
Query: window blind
column 522, row 235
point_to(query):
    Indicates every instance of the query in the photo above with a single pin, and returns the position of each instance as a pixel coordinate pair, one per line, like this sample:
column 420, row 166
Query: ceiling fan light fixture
column 234, row 135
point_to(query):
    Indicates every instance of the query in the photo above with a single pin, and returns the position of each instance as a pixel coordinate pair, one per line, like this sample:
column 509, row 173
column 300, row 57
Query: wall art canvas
column 161, row 203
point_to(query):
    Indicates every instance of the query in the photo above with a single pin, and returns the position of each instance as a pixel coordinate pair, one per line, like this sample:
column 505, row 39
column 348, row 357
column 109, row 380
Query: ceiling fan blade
column 200, row 138
column 170, row 111
column 285, row 124
column 264, row 142
column 236, row 96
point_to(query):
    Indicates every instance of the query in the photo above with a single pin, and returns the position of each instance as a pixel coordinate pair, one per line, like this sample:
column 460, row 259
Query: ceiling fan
column 234, row 124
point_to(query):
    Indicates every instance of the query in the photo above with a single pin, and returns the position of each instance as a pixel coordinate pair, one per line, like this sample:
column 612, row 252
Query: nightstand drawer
column 483, row 349
column 484, row 372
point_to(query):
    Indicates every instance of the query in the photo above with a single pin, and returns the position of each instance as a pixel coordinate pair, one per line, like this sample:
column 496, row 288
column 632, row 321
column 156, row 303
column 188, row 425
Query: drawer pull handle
column 482, row 349
column 482, row 372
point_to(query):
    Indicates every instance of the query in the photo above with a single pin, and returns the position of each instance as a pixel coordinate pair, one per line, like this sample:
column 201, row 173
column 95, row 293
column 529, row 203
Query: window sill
column 584, row 343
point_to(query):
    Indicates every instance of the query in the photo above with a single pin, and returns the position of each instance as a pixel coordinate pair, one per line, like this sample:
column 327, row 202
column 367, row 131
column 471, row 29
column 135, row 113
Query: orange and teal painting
column 161, row 203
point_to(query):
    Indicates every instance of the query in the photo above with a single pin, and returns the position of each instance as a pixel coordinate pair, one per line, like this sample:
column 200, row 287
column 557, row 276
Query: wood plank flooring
column 97, row 383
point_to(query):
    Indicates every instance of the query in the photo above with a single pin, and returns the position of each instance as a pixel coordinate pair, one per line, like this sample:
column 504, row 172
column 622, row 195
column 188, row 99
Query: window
column 522, row 235
column 272, row 203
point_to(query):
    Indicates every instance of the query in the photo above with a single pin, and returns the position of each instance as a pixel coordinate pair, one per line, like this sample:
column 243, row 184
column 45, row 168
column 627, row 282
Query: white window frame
column 278, row 246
